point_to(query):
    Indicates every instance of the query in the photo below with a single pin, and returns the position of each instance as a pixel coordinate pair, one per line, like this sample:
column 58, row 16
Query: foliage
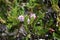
column 10, row 10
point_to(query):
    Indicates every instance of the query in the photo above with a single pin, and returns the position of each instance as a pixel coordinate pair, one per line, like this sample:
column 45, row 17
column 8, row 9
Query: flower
column 51, row 30
column 28, row 21
column 21, row 18
column 41, row 39
column 33, row 15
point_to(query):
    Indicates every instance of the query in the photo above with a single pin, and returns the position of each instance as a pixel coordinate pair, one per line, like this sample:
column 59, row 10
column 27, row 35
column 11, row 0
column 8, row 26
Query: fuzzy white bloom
column 33, row 15
column 21, row 18
column 28, row 21
column 41, row 39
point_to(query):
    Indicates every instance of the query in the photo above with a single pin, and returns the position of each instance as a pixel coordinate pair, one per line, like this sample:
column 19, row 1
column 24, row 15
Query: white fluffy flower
column 28, row 21
column 41, row 39
column 33, row 15
column 21, row 18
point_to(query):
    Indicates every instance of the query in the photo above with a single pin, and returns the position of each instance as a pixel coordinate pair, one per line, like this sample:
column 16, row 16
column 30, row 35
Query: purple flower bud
column 21, row 18
column 33, row 15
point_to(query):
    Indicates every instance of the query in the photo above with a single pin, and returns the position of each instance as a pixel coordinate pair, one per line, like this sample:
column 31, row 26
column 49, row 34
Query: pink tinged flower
column 33, row 15
column 52, row 30
column 28, row 21
column 21, row 18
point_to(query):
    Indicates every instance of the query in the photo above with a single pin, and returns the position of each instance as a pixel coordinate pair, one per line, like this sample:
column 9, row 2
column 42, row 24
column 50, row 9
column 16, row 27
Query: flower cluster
column 21, row 17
